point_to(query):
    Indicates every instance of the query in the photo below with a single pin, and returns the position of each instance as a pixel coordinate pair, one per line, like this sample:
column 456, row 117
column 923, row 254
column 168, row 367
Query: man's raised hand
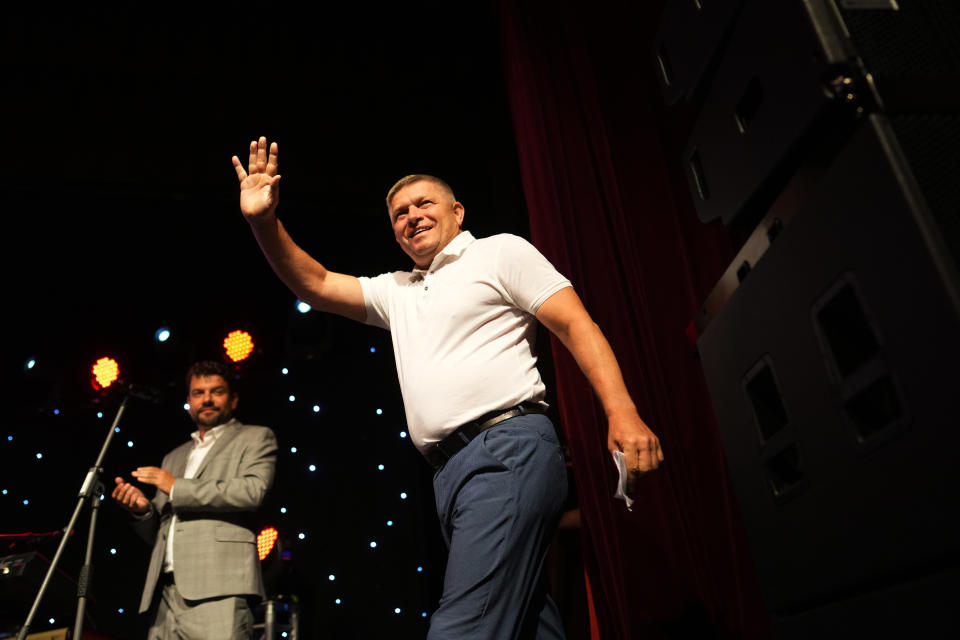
column 259, row 184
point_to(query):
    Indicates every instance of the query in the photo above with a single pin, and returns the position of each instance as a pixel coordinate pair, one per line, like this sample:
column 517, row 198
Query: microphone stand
column 93, row 489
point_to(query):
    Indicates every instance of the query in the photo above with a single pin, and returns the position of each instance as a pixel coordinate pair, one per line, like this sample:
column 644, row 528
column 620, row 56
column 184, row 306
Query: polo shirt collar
column 454, row 249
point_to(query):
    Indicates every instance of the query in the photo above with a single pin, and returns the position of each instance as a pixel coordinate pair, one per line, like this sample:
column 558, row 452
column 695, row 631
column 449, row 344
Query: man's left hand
column 160, row 478
column 640, row 446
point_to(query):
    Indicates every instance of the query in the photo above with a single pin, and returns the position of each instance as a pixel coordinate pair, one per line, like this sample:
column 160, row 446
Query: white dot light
column 337, row 600
column 397, row 610
column 283, row 509
column 162, row 334
column 291, row 397
column 284, row 371
column 4, row 492
column 113, row 552
column 117, row 429
column 403, row 495
column 373, row 349
column 312, row 467
column 51, row 621
column 380, row 467
column 186, row 407
column 419, row 569
column 129, row 443
column 31, row 363
column 389, row 523
column 26, row 502
column 379, row 412
column 403, row 434
column 303, row 307
column 316, row 408
column 373, row 544
column 331, row 577
column 302, row 536
column 39, row 456
column 120, row 610
column 99, row 414
column 293, row 449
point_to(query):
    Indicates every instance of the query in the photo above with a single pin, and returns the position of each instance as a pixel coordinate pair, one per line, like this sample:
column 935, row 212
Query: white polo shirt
column 464, row 329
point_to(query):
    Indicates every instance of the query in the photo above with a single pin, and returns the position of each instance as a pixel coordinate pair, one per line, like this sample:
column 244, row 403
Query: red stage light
column 265, row 541
column 238, row 345
column 105, row 372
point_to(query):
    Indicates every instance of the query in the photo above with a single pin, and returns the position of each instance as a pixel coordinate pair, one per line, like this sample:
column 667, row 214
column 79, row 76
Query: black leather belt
column 442, row 451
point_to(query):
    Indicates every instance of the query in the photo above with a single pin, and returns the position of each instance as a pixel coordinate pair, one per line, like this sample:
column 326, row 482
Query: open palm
column 259, row 184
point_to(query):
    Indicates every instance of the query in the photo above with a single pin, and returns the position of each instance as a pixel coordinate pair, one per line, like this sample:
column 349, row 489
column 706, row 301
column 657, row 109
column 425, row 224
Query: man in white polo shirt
column 463, row 324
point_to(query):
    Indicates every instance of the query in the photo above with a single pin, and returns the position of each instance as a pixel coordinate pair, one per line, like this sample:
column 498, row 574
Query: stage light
column 331, row 577
column 162, row 334
column 403, row 434
column 302, row 536
column 423, row 615
column 265, row 541
column 52, row 621
column 389, row 523
column 105, row 372
column 292, row 398
column 26, row 502
column 238, row 345
column 130, row 443
column 419, row 569
column 337, row 601
column 30, row 364
column 303, row 307
column 316, row 408
column 373, row 349
column 373, row 545
column 99, row 414
column 293, row 449
column 39, row 456
column 283, row 509
column 403, row 496
column 380, row 467
column 379, row 412
column 113, row 552
column 397, row 610
column 312, row 467
column 9, row 438
column 4, row 492
column 120, row 610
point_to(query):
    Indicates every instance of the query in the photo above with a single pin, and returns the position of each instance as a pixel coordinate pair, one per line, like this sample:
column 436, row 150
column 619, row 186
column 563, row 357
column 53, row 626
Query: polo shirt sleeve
column 527, row 277
column 376, row 297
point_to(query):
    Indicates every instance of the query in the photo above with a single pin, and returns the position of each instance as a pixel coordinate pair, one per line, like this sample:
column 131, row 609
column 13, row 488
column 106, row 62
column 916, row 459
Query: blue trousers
column 499, row 501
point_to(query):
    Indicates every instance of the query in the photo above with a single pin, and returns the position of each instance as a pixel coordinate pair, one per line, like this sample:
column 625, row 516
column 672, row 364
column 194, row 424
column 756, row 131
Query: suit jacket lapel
column 228, row 433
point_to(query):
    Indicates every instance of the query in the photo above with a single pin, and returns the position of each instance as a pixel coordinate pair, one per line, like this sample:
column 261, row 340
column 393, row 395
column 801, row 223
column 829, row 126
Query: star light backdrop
column 357, row 537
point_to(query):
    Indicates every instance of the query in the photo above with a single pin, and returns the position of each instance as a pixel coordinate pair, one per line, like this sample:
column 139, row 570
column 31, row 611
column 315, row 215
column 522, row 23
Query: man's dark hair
column 206, row 368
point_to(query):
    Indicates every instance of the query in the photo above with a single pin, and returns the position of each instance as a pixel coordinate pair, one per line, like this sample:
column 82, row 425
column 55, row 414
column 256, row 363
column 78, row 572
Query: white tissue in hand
column 621, row 493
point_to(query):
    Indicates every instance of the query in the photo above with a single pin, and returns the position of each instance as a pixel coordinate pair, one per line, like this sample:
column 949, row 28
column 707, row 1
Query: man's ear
column 459, row 211
column 233, row 401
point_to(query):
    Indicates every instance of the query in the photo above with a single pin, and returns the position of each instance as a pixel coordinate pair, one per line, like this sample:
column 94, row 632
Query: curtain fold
column 607, row 208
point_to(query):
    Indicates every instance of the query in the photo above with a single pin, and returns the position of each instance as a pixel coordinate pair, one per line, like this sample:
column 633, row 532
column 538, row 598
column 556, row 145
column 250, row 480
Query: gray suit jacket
column 215, row 548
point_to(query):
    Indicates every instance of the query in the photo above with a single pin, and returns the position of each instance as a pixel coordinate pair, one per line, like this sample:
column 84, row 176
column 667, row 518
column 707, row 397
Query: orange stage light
column 238, row 345
column 105, row 372
column 266, row 540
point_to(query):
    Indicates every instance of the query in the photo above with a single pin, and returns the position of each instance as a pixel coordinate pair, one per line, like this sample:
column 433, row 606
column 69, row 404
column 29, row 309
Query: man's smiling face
column 425, row 219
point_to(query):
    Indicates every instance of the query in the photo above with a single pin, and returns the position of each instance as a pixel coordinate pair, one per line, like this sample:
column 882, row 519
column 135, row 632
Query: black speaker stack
column 828, row 140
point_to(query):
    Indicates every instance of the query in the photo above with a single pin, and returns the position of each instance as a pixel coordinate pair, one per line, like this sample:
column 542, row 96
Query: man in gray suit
column 204, row 570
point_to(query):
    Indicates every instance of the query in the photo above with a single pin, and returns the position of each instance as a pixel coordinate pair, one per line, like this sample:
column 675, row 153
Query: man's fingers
column 261, row 154
column 273, row 159
column 241, row 174
column 252, row 161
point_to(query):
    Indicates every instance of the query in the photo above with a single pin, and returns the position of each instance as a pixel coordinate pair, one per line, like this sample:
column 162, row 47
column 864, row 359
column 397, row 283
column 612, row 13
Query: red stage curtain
column 597, row 153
